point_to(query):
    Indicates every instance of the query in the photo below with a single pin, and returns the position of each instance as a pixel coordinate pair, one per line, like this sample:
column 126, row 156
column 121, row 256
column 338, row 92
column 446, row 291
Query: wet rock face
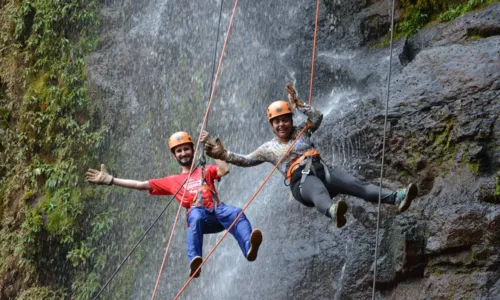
column 152, row 73
column 442, row 134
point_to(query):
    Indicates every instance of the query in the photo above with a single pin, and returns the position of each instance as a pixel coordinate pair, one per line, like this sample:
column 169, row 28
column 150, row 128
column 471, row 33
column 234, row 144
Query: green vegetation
column 468, row 295
column 49, row 133
column 414, row 18
column 460, row 10
column 414, row 158
column 497, row 188
column 437, row 271
column 474, row 167
column 418, row 13
column 442, row 141
column 474, row 37
column 41, row 294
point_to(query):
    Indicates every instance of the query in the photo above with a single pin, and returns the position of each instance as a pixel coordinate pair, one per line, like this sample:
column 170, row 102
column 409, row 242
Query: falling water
column 152, row 72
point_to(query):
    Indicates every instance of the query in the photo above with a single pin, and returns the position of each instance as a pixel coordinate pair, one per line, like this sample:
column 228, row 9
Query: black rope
column 142, row 238
column 215, row 52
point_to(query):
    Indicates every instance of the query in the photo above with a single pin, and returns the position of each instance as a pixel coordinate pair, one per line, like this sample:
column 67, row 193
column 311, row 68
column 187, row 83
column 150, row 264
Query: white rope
column 383, row 154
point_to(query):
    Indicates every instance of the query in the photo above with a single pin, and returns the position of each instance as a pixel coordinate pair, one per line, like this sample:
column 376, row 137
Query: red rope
column 205, row 118
column 242, row 211
column 313, row 53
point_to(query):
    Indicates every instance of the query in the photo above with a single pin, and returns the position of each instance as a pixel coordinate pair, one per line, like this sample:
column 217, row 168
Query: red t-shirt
column 169, row 185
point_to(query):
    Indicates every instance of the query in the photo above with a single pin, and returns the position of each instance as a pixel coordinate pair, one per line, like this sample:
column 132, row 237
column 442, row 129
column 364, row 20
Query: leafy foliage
column 49, row 133
column 41, row 294
column 460, row 10
column 418, row 13
column 414, row 19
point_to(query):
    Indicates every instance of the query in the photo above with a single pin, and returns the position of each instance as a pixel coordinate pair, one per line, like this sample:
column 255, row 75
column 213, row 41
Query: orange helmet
column 278, row 108
column 179, row 138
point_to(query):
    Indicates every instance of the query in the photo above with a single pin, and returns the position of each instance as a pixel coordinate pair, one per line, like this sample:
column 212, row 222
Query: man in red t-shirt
column 204, row 216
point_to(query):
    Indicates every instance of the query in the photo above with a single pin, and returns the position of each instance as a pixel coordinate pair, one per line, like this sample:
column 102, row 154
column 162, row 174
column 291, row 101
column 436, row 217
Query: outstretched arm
column 132, row 184
column 253, row 159
column 103, row 177
column 215, row 149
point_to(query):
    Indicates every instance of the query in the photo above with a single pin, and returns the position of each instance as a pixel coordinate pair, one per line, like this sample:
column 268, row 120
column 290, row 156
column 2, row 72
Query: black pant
column 319, row 193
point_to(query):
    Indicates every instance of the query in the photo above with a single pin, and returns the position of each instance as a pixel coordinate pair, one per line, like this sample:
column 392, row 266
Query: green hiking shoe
column 337, row 211
column 195, row 263
column 405, row 196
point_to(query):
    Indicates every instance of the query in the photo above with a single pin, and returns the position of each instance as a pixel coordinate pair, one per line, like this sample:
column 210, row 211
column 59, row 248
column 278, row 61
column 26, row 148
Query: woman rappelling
column 312, row 182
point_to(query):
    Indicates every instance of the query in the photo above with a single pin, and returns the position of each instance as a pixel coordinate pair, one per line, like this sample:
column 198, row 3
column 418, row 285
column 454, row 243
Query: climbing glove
column 292, row 97
column 215, row 149
column 99, row 177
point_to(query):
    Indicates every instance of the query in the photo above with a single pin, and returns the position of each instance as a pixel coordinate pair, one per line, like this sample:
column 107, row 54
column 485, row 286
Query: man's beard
column 185, row 163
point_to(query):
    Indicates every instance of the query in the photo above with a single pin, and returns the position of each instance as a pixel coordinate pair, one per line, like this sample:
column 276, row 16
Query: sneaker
column 255, row 241
column 405, row 196
column 337, row 211
column 195, row 263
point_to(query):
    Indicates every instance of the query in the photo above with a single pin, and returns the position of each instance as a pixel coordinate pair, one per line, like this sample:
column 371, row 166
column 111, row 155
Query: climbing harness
column 383, row 153
column 305, row 161
column 198, row 200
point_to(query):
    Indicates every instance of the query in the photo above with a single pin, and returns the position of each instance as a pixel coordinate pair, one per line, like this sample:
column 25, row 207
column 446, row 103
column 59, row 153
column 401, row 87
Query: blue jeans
column 202, row 222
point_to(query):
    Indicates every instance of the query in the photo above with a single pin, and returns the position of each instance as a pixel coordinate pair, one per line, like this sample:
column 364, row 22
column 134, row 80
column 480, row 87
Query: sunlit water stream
column 152, row 73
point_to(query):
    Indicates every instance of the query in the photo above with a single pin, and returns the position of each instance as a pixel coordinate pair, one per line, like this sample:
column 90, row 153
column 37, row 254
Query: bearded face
column 184, row 154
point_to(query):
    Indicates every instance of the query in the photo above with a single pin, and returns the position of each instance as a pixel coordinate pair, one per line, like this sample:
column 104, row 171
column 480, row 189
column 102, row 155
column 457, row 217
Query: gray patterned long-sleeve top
column 273, row 150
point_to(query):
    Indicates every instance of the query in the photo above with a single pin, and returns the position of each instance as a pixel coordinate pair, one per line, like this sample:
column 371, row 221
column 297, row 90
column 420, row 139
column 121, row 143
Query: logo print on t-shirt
column 193, row 185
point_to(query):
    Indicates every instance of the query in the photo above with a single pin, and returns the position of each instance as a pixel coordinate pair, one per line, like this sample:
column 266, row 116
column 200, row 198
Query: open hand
column 292, row 97
column 99, row 177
